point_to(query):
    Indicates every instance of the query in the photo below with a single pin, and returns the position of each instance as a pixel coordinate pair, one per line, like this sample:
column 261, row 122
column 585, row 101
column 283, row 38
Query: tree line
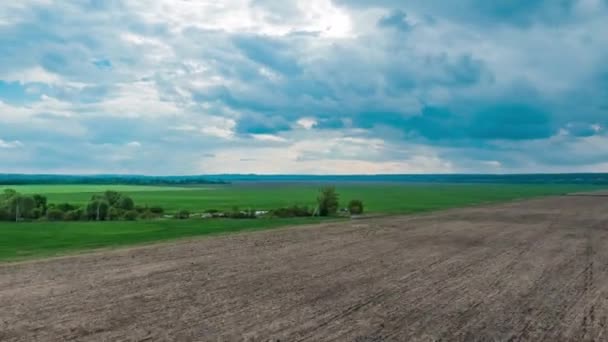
column 110, row 205
column 19, row 179
column 113, row 205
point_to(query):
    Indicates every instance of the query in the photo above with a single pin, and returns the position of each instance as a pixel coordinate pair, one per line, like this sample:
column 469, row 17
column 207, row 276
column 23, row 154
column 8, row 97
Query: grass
column 379, row 198
column 41, row 239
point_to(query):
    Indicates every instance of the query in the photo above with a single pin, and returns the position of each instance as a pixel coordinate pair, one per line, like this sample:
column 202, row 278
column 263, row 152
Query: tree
column 41, row 203
column 125, row 203
column 21, row 206
column 98, row 209
column 328, row 201
column 8, row 194
column 112, row 197
column 355, row 207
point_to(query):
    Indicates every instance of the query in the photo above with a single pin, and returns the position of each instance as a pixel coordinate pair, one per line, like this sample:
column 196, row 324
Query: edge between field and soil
column 259, row 230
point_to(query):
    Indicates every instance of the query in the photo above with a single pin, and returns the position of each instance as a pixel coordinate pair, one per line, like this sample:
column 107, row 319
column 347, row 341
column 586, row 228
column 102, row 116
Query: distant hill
column 567, row 178
column 18, row 179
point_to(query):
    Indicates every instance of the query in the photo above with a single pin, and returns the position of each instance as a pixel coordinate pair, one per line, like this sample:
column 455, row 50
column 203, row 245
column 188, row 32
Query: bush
column 131, row 215
column 182, row 215
column 36, row 213
column 148, row 215
column 74, row 215
column 140, row 209
column 294, row 211
column 355, row 207
column 115, row 213
column 65, row 207
column 54, row 214
column 157, row 210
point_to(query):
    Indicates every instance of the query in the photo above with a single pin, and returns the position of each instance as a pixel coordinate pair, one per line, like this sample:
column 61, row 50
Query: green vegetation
column 40, row 239
column 162, row 204
column 378, row 198
column 328, row 201
column 355, row 207
column 107, row 206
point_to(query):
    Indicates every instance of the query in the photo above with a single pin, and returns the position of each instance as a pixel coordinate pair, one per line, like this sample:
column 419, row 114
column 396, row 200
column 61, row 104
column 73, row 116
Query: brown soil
column 534, row 271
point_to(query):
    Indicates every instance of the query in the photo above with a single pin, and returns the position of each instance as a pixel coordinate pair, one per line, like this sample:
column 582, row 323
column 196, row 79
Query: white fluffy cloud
column 317, row 86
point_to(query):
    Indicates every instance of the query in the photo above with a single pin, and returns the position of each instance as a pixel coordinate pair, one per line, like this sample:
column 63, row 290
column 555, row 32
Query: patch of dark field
column 524, row 271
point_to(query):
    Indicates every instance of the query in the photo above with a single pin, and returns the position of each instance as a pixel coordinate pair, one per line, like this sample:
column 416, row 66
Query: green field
column 41, row 239
column 38, row 239
column 378, row 198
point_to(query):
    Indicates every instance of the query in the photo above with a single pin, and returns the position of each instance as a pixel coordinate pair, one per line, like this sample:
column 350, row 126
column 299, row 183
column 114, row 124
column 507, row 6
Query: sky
column 304, row 86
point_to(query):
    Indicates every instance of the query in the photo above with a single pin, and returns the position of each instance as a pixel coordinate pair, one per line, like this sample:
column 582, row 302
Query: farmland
column 533, row 270
column 42, row 238
column 378, row 198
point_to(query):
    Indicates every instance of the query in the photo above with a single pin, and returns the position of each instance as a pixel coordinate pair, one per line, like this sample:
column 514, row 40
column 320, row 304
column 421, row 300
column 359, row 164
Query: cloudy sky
column 303, row 86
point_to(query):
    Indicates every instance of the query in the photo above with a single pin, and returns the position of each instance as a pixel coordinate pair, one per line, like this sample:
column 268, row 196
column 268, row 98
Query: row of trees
column 111, row 205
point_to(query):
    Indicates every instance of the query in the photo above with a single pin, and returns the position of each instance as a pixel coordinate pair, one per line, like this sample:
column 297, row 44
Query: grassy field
column 39, row 239
column 42, row 239
column 378, row 198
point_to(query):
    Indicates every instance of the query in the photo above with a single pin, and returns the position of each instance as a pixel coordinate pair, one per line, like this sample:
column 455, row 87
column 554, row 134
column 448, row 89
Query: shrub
column 115, row 213
column 182, row 214
column 355, row 207
column 294, row 211
column 74, row 215
column 36, row 213
column 157, row 210
column 65, row 207
column 54, row 214
column 131, row 215
column 148, row 215
column 140, row 209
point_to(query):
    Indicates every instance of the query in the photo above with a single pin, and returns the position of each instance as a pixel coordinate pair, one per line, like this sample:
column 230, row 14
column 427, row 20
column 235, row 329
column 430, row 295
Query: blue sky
column 310, row 86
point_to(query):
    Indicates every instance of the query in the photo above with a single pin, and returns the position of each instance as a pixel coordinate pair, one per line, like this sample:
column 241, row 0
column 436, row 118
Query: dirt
column 528, row 271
